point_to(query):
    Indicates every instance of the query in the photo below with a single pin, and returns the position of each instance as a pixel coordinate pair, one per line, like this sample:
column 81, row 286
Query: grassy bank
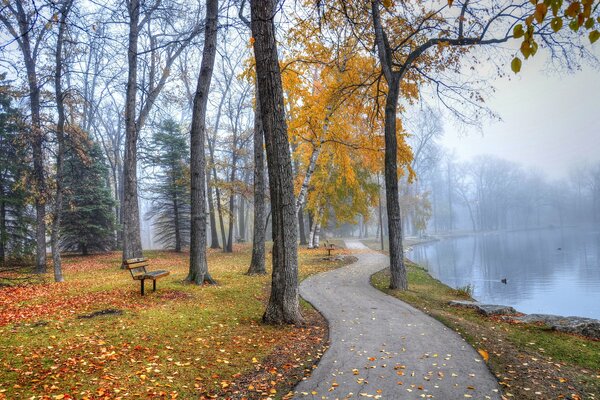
column 182, row 341
column 530, row 361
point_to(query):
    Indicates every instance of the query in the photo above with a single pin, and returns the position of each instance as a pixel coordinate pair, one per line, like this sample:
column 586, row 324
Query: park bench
column 137, row 267
column 329, row 247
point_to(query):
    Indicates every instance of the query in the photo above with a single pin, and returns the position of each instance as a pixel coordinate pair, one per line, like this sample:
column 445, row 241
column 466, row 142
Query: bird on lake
column 503, row 280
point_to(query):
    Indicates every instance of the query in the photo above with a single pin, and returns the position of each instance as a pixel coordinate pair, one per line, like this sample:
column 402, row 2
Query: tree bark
column 257, row 264
column 399, row 278
column 214, row 235
column 229, row 246
column 198, row 272
column 283, row 306
column 132, row 242
column 60, row 138
column 302, row 227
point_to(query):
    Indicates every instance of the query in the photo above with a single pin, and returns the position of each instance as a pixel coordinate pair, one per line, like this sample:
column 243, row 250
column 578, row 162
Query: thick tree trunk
column 398, row 270
column 60, row 138
column 257, row 264
column 283, row 306
column 198, row 272
column 132, row 242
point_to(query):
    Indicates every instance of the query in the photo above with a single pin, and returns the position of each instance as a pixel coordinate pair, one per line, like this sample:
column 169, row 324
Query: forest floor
column 529, row 361
column 182, row 341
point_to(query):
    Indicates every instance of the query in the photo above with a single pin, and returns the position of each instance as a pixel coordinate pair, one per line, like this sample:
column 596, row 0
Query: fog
column 550, row 121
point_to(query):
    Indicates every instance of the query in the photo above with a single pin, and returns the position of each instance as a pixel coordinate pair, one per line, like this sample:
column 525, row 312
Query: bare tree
column 156, row 76
column 60, row 138
column 28, row 28
column 198, row 272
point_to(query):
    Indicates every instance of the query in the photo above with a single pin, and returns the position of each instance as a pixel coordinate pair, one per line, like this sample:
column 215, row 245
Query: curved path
column 383, row 348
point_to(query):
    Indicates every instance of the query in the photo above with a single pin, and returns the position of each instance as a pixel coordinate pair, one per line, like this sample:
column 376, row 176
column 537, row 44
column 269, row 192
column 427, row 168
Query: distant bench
column 329, row 247
column 137, row 267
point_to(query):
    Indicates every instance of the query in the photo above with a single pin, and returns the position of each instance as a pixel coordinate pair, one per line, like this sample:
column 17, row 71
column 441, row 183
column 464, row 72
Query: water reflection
column 553, row 271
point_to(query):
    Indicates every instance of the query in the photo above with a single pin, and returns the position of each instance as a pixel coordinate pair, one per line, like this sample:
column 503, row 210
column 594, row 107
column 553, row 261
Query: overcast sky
column 549, row 121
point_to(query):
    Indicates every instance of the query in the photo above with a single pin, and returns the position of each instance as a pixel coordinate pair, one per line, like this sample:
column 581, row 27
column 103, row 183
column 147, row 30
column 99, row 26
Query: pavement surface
column 382, row 347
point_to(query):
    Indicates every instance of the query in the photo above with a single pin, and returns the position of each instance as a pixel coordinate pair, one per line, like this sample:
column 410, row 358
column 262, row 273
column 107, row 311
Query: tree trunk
column 302, row 228
column 317, row 235
column 214, row 235
column 60, row 138
column 398, row 270
column 309, row 172
column 132, row 242
column 257, row 264
column 177, row 223
column 229, row 247
column 283, row 306
column 198, row 273
column 242, row 218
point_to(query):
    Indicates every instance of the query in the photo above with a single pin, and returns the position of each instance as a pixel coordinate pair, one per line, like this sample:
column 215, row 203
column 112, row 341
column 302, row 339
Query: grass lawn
column 183, row 341
column 530, row 361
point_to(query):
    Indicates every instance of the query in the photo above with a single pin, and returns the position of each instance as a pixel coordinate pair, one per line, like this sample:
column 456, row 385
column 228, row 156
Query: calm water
column 548, row 271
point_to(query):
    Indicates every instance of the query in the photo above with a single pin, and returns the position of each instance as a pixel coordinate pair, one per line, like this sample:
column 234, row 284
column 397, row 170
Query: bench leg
column 154, row 285
column 142, row 286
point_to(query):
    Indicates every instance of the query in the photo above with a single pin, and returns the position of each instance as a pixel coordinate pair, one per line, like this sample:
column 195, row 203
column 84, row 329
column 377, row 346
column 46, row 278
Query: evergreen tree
column 170, row 189
column 88, row 219
column 16, row 219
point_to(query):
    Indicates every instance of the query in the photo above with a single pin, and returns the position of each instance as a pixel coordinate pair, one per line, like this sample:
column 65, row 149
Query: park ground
column 208, row 342
column 529, row 361
column 95, row 337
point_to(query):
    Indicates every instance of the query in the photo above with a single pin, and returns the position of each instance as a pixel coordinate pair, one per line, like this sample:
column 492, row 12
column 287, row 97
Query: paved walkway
column 383, row 348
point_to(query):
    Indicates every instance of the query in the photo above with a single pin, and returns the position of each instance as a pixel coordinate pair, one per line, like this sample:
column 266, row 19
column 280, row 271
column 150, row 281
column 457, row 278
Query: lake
column 551, row 271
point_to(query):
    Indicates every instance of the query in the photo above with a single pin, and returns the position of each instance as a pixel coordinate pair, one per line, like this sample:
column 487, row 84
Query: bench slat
column 137, row 265
column 156, row 274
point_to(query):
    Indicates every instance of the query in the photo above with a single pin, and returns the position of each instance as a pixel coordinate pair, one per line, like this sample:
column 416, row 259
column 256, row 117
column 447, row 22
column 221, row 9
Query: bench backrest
column 137, row 266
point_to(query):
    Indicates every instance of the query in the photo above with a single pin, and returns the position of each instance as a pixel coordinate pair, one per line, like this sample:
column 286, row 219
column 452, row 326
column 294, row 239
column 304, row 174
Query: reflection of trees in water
column 533, row 262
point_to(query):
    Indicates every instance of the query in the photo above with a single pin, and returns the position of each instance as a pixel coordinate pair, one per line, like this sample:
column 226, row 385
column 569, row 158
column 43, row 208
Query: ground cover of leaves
column 182, row 341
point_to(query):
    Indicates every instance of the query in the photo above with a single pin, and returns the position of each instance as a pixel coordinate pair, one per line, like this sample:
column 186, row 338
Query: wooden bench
column 330, row 247
column 137, row 267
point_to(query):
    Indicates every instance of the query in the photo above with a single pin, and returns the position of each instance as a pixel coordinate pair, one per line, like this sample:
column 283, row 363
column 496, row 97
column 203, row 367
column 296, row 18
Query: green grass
column 183, row 340
column 526, row 359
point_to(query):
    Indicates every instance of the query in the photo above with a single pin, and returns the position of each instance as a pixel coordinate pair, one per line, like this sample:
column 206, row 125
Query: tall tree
column 16, row 236
column 87, row 222
column 132, row 241
column 283, row 306
column 198, row 272
column 60, row 138
column 30, row 32
column 143, row 18
column 416, row 43
column 257, row 263
column 170, row 207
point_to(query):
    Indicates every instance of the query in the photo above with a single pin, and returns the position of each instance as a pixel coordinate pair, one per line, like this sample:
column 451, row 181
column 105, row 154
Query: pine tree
column 88, row 219
column 170, row 209
column 16, row 216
